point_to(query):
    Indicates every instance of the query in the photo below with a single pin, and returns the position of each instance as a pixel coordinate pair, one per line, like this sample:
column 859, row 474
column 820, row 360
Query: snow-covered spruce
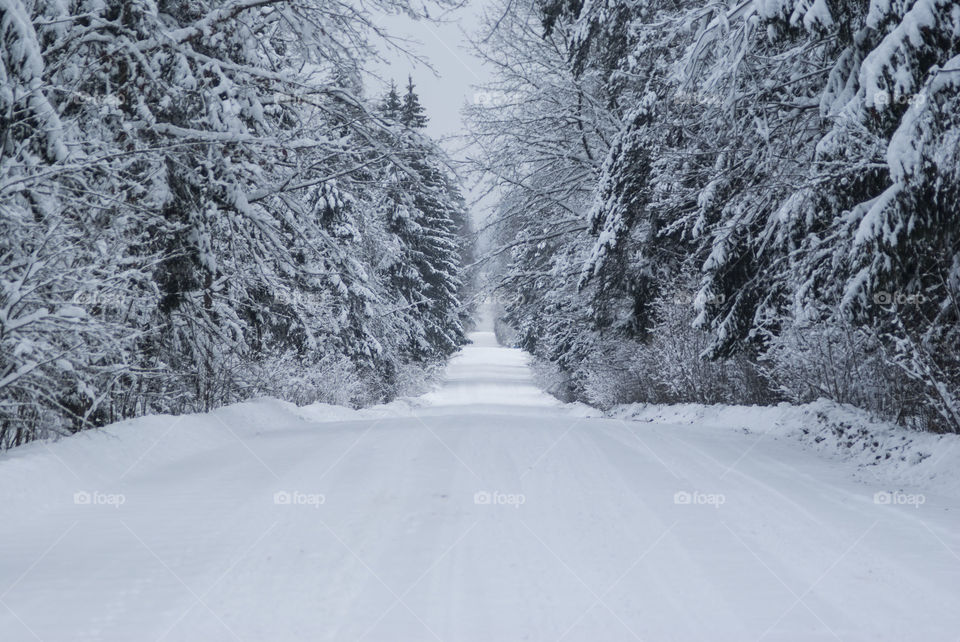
column 782, row 175
column 192, row 212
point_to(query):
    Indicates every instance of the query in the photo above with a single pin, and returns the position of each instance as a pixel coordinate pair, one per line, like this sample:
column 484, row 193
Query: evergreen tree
column 171, row 234
column 422, row 206
column 786, row 170
column 392, row 105
column 412, row 114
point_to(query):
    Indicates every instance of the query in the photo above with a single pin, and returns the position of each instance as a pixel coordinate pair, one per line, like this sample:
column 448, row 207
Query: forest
column 480, row 320
column 200, row 205
column 741, row 203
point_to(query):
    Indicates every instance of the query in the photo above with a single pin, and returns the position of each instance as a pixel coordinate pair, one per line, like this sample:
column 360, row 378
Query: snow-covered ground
column 484, row 511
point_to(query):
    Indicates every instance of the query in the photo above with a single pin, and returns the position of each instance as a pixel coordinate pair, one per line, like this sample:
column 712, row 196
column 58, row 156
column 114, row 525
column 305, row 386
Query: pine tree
column 413, row 115
column 392, row 106
column 171, row 238
column 795, row 162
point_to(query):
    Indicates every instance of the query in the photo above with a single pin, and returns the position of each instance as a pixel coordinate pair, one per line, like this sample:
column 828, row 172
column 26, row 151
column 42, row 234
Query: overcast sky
column 445, row 89
column 443, row 93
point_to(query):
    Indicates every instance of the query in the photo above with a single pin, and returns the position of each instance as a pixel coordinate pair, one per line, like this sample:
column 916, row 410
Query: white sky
column 448, row 87
column 444, row 45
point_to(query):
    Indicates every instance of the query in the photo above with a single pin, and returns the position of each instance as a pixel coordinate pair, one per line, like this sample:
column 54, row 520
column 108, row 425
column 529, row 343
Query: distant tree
column 392, row 106
column 412, row 114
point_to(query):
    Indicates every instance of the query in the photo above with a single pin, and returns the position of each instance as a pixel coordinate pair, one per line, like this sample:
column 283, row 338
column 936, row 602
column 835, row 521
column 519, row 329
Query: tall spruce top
column 392, row 106
column 412, row 114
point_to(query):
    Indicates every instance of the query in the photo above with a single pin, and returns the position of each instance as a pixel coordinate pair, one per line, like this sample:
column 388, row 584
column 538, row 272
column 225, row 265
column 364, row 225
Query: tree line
column 739, row 202
column 199, row 204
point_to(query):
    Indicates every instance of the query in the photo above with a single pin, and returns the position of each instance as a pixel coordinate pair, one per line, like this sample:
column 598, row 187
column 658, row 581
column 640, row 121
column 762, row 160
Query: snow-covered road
column 485, row 511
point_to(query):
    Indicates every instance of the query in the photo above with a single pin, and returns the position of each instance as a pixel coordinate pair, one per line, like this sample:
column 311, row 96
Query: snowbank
column 882, row 452
column 109, row 453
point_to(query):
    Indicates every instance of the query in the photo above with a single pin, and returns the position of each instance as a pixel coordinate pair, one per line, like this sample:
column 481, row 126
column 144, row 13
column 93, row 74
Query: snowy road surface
column 488, row 512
